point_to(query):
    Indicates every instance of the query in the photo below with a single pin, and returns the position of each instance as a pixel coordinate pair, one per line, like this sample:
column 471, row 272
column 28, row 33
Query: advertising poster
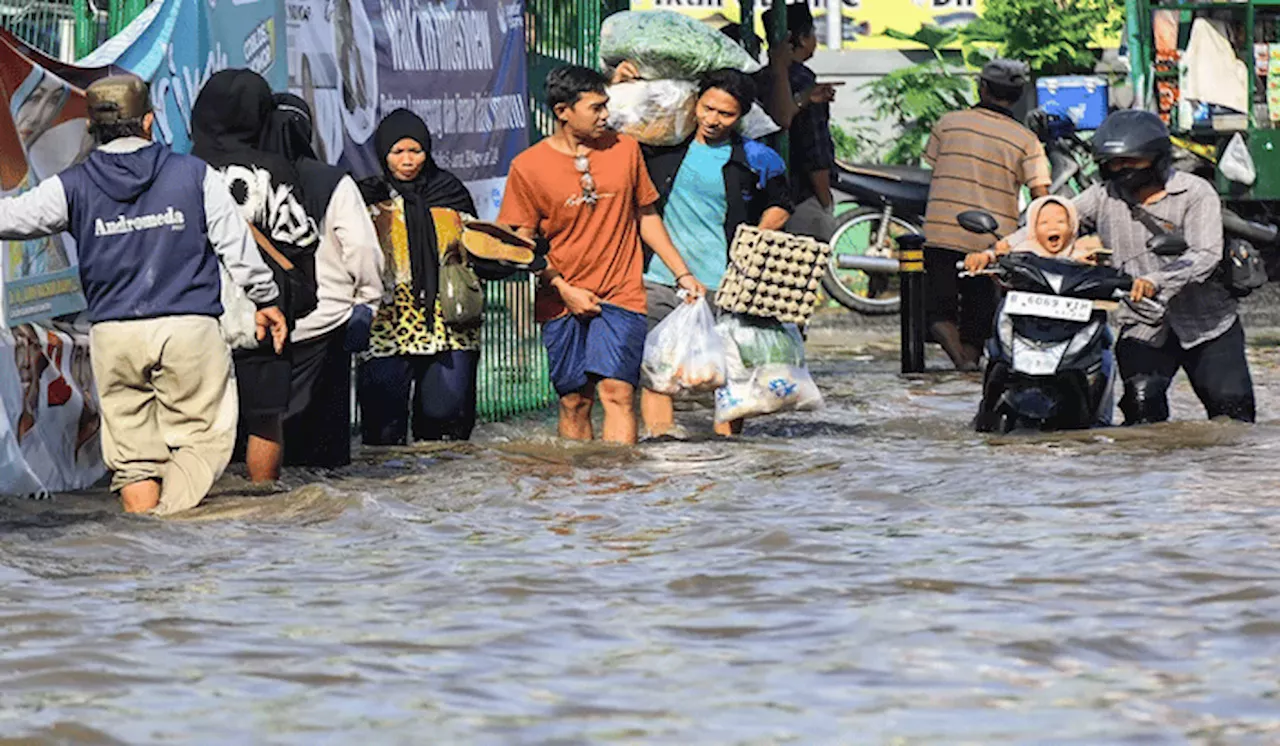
column 459, row 65
column 863, row 21
column 50, row 431
column 43, row 130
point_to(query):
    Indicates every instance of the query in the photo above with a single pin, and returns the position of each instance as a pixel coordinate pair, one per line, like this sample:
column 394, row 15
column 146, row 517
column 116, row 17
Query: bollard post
column 911, row 280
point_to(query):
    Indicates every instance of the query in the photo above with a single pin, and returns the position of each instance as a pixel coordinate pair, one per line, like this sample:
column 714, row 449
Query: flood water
column 870, row 573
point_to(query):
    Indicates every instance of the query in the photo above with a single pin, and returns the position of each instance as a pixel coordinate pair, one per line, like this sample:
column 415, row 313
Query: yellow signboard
column 864, row 21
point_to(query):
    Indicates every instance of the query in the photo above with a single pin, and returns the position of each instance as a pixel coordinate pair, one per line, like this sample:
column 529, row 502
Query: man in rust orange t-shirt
column 586, row 190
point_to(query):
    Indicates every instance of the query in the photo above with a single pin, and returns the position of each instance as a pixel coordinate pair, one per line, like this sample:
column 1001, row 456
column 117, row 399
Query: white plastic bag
column 757, row 124
column 684, row 353
column 655, row 112
column 1237, row 164
column 238, row 320
column 766, row 370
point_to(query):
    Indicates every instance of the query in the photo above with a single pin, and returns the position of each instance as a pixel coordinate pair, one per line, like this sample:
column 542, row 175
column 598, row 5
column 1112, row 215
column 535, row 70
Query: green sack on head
column 461, row 297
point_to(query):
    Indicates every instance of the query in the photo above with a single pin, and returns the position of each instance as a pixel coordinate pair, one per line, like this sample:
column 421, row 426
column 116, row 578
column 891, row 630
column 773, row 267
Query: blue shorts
column 610, row 345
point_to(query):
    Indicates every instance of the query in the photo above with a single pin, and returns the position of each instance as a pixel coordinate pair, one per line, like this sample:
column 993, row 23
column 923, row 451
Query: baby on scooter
column 1054, row 223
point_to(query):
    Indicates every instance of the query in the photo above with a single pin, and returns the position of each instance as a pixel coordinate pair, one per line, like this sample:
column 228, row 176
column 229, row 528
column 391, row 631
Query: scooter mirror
column 977, row 221
column 1167, row 244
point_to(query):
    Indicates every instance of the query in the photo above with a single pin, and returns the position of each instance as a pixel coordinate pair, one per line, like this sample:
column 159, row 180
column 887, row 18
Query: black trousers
column 1218, row 370
column 443, row 397
column 317, row 426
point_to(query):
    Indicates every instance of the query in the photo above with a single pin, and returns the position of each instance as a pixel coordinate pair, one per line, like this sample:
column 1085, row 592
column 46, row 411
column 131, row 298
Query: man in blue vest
column 151, row 227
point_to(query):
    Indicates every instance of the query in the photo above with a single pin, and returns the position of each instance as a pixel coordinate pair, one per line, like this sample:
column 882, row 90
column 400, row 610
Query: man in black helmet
column 151, row 227
column 1198, row 330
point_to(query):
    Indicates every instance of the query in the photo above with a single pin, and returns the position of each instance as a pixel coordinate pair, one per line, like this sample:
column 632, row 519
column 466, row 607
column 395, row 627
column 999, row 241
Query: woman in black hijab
column 317, row 430
column 417, row 210
column 226, row 129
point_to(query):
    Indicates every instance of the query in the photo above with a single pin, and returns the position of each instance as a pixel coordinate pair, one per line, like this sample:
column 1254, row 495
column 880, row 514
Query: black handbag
column 1243, row 270
column 298, row 292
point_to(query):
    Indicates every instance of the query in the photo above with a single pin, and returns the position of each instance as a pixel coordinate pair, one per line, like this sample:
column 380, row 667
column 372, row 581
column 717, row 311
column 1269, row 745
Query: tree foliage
column 916, row 97
column 1054, row 37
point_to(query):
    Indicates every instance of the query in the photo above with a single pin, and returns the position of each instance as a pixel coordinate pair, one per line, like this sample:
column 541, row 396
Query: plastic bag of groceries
column 756, row 124
column 655, row 112
column 665, row 44
column 766, row 370
column 684, row 353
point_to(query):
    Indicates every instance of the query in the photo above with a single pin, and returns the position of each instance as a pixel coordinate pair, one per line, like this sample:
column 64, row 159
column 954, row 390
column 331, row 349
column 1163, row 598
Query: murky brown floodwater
column 873, row 573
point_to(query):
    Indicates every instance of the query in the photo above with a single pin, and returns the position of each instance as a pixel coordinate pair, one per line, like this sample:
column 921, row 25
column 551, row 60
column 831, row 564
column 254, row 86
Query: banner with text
column 459, row 65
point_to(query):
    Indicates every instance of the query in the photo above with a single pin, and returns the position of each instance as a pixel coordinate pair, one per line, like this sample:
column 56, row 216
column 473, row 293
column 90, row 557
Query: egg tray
column 773, row 275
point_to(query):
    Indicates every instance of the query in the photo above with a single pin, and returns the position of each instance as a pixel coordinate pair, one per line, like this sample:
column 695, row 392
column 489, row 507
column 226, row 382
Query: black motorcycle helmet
column 1133, row 133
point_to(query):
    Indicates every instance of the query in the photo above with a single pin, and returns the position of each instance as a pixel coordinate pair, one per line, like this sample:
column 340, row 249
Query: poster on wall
column 459, row 65
column 43, row 130
column 50, row 429
column 863, row 21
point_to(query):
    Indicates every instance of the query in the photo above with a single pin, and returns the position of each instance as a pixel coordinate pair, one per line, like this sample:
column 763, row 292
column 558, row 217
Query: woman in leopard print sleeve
column 415, row 363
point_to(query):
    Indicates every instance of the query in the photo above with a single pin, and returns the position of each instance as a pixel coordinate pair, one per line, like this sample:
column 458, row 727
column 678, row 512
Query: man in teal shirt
column 710, row 185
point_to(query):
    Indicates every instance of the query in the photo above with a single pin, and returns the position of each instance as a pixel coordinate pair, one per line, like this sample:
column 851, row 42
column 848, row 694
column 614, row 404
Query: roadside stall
column 1212, row 72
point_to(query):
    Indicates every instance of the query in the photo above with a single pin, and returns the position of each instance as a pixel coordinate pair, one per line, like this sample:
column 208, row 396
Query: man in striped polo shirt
column 981, row 159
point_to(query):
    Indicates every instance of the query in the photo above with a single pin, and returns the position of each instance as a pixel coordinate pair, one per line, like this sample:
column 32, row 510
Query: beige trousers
column 168, row 398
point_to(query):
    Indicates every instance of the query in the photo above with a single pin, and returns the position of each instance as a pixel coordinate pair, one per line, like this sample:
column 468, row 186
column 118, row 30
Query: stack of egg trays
column 773, row 275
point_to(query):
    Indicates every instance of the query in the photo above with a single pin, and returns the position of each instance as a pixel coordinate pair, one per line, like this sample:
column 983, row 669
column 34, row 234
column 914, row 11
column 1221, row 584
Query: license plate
column 1048, row 306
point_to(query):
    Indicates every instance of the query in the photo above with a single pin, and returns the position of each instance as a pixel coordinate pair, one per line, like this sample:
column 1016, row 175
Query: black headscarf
column 433, row 187
column 288, row 133
column 226, row 131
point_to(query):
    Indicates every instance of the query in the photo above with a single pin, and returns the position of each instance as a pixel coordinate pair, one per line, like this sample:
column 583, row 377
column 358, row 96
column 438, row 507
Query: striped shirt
column 981, row 158
column 1198, row 307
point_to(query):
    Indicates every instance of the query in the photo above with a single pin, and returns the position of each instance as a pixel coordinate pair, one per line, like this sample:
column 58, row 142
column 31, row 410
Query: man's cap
column 118, row 98
column 1011, row 73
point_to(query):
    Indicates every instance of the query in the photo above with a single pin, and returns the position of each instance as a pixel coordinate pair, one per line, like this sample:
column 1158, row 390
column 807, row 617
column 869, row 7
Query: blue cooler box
column 1083, row 96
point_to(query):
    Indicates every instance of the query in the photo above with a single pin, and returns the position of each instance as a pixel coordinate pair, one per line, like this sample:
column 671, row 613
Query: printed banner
column 458, row 65
column 42, row 131
column 50, row 431
column 863, row 23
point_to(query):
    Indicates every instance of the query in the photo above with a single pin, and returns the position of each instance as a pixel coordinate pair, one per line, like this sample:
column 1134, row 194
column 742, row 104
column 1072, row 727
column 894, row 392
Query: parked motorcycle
column 1050, row 361
column 891, row 202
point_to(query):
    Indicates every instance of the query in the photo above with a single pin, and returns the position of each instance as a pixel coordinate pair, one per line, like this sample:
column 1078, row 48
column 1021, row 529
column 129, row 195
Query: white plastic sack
column 757, row 124
column 684, row 353
column 238, row 322
column 1237, row 164
column 766, row 370
column 655, row 112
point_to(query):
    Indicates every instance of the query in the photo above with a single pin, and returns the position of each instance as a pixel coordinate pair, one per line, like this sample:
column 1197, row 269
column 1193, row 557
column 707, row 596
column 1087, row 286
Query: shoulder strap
column 1142, row 215
column 265, row 244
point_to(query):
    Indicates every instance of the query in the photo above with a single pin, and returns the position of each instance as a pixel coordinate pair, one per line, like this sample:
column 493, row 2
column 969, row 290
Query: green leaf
column 931, row 37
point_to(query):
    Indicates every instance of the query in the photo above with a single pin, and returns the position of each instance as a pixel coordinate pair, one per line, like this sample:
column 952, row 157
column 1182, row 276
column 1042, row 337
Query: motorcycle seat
column 906, row 174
